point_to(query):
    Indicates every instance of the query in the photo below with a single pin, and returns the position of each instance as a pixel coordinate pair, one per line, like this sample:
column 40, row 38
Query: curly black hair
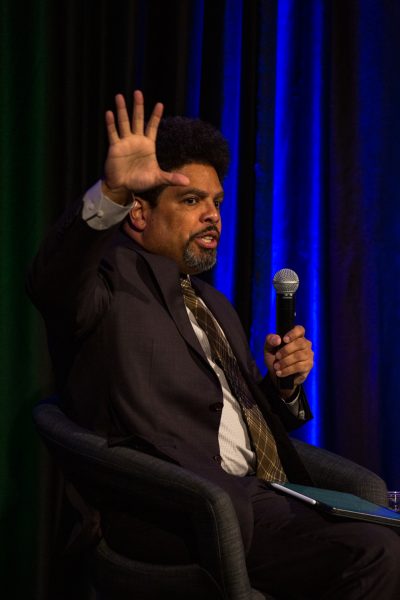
column 182, row 141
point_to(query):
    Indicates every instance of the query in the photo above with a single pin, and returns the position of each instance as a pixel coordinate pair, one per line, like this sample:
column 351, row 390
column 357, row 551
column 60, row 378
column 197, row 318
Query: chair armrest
column 105, row 475
column 331, row 471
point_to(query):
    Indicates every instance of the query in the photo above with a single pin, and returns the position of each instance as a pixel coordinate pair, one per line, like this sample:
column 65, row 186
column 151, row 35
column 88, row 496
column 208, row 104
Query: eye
column 217, row 204
column 191, row 200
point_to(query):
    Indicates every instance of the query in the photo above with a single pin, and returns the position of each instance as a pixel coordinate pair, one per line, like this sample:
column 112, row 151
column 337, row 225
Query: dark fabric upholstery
column 109, row 477
column 115, row 574
column 328, row 470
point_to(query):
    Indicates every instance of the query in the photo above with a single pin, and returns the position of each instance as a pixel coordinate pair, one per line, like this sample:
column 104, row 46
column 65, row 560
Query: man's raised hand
column 131, row 164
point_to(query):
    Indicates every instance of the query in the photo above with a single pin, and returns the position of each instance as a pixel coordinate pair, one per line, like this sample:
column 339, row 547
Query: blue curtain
column 325, row 204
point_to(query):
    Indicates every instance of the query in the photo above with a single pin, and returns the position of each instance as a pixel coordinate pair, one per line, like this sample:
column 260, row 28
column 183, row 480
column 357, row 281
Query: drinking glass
column 394, row 500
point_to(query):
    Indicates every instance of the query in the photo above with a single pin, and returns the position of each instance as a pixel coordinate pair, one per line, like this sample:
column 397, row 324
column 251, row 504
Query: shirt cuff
column 294, row 405
column 99, row 211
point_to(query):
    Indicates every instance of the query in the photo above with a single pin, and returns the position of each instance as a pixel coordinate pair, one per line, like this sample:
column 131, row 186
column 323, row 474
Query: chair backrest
column 106, row 476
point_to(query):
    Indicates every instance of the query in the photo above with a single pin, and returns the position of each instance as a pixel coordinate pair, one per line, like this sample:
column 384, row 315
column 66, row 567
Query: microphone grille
column 285, row 281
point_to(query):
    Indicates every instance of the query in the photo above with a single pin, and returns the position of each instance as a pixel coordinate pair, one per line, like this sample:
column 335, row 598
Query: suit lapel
column 167, row 279
column 167, row 276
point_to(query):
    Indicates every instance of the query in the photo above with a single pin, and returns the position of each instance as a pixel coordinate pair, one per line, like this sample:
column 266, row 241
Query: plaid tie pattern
column 269, row 466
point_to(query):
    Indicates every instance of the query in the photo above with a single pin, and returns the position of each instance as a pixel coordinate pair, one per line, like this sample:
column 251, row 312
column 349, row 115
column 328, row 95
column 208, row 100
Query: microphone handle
column 285, row 321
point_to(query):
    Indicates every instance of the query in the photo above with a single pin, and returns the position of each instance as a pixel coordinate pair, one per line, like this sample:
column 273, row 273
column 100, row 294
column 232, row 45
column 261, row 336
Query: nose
column 210, row 213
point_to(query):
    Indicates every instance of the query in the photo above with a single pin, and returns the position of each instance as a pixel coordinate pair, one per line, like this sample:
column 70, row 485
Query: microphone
column 285, row 283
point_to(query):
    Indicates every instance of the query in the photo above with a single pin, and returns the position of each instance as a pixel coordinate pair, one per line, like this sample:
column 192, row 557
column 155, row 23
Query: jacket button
column 217, row 459
column 217, row 407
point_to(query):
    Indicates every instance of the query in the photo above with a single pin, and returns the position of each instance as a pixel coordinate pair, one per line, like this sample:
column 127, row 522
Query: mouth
column 207, row 239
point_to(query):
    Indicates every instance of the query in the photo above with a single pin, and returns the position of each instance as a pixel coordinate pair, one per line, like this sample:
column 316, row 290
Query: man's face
column 185, row 224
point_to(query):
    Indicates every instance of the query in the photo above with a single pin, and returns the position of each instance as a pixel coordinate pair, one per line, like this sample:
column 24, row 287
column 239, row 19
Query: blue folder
column 341, row 504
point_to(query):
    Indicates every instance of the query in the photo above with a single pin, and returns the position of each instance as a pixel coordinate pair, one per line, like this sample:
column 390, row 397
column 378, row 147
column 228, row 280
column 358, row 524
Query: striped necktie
column 269, row 466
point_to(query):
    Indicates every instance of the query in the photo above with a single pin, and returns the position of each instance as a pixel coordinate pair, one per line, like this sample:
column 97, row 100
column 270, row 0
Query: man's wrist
column 99, row 211
column 285, row 395
column 290, row 395
column 121, row 195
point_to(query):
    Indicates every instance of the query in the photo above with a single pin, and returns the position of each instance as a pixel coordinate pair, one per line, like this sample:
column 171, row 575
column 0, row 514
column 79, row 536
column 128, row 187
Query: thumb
column 175, row 178
column 272, row 341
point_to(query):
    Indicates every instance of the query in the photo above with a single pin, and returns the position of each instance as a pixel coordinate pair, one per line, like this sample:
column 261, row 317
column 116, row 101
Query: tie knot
column 189, row 295
column 187, row 288
column 185, row 281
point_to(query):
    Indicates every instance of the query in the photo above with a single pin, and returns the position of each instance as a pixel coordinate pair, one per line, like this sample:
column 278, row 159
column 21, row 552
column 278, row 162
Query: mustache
column 204, row 231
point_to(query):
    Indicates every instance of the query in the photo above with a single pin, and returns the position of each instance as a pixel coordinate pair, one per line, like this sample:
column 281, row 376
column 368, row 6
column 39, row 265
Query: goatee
column 198, row 263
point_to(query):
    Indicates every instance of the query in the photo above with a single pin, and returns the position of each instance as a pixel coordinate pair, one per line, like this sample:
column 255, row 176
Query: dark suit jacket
column 127, row 361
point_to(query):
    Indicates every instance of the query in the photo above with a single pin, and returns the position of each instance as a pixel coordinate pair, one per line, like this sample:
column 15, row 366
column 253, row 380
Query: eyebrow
column 200, row 193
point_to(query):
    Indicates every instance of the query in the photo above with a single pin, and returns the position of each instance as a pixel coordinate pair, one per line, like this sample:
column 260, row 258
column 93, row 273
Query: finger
column 300, row 355
column 154, row 121
column 112, row 132
column 122, row 116
column 300, row 369
column 298, row 345
column 294, row 360
column 297, row 332
column 138, row 113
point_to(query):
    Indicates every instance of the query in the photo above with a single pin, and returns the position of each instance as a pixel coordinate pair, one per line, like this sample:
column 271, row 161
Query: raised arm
column 65, row 277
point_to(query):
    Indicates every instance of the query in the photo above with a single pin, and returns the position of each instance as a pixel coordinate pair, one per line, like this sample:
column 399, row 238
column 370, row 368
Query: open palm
column 131, row 161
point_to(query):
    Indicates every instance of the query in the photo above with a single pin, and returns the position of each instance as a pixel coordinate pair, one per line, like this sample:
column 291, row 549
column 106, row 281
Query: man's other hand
column 295, row 357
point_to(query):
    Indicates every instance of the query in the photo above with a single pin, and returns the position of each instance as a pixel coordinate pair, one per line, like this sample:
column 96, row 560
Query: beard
column 200, row 261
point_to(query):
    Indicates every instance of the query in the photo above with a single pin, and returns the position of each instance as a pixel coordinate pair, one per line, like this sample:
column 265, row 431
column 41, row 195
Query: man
column 150, row 356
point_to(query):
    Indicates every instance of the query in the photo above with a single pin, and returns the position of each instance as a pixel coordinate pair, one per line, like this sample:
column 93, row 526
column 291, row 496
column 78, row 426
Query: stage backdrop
column 307, row 93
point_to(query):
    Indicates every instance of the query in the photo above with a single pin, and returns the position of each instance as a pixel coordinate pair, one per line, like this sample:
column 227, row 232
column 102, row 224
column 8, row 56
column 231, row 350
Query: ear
column 138, row 213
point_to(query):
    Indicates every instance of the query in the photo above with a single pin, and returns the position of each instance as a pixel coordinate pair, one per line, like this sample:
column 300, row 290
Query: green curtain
column 24, row 167
column 61, row 63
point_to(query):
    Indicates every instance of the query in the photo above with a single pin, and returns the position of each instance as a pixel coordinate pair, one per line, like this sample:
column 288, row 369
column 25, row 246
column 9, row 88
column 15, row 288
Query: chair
column 104, row 476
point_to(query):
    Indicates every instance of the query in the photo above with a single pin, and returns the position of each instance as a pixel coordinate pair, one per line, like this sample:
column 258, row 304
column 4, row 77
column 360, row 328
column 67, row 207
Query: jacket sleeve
column 66, row 280
column 279, row 406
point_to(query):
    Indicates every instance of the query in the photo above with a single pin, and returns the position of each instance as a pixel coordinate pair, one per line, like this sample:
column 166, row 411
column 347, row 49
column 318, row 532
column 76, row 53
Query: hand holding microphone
column 291, row 361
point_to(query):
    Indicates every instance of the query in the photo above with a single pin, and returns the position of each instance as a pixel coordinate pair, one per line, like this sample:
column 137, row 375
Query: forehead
column 203, row 178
